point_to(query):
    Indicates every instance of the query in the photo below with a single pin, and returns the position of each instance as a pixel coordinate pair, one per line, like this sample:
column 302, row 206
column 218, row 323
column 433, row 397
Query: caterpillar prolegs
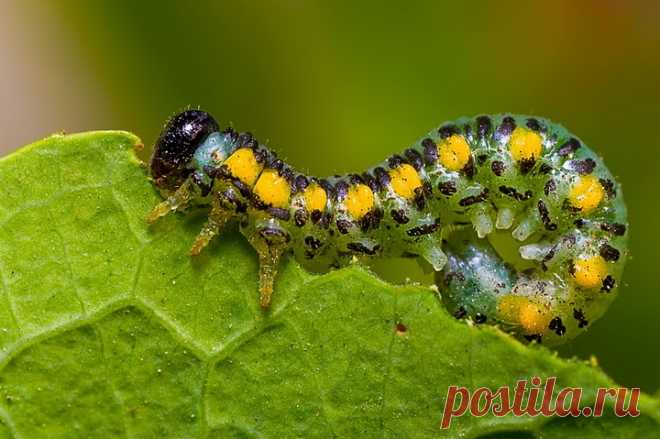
column 461, row 199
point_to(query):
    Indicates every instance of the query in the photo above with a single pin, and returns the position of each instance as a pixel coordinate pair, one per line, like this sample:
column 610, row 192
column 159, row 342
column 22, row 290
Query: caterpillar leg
column 270, row 245
column 218, row 217
column 429, row 248
column 179, row 199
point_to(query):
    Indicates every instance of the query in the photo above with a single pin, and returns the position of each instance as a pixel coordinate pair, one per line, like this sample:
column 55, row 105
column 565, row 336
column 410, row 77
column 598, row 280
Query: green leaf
column 108, row 327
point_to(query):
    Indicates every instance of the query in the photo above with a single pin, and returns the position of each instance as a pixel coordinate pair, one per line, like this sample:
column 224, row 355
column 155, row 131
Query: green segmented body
column 457, row 198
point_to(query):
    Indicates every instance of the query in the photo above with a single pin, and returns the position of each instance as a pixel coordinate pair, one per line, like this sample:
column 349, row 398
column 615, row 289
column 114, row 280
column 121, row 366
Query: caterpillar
column 523, row 224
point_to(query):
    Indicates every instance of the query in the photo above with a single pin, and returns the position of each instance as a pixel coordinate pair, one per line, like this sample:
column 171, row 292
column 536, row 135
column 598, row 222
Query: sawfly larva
column 457, row 199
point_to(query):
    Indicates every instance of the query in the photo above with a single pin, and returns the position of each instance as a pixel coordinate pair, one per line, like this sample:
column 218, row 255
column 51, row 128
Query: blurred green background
column 336, row 86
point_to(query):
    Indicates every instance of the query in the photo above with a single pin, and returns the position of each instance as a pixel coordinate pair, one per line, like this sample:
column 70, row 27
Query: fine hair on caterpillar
column 449, row 199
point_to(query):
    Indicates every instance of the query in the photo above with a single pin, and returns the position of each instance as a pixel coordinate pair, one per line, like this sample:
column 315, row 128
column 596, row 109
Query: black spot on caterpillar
column 579, row 316
column 525, row 179
column 557, row 326
column 513, row 193
column 497, row 167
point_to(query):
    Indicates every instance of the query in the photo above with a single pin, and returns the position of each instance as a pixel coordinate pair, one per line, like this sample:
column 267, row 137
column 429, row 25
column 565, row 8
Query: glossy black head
column 176, row 145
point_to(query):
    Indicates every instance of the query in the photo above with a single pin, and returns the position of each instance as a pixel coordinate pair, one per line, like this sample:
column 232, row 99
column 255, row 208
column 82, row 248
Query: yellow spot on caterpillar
column 525, row 144
column 533, row 317
column 590, row 271
column 586, row 193
column 508, row 307
column 454, row 152
column 243, row 165
column 359, row 201
column 315, row 198
column 405, row 180
column 273, row 189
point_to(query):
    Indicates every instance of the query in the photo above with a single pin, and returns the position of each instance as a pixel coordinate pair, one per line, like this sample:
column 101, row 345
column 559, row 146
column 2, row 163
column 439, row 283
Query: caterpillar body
column 460, row 199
